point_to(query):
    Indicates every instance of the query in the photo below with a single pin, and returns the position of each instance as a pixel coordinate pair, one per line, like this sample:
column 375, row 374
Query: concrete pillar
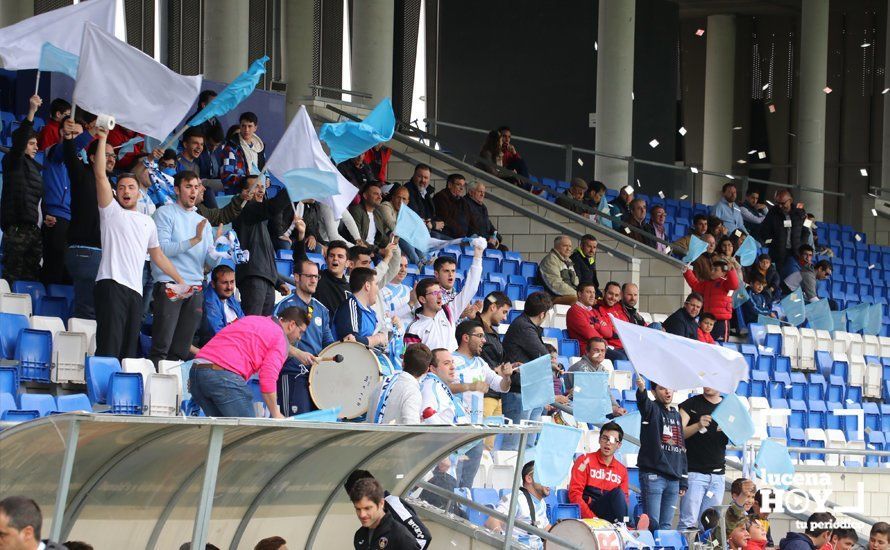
column 719, row 86
column 225, row 39
column 299, row 28
column 15, row 11
column 614, row 88
column 372, row 43
column 885, row 144
column 811, row 102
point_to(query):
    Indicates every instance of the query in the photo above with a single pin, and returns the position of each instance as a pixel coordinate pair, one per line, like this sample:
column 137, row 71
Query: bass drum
column 594, row 534
column 347, row 384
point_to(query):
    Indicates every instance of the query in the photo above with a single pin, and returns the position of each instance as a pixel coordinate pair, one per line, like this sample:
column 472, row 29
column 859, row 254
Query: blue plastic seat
column 34, row 354
column 285, row 267
column 10, row 326
column 511, row 266
column 798, row 418
column 34, row 288
column 20, row 416
column 798, row 385
column 644, row 538
column 529, row 270
column 485, row 496
column 62, row 291
column 9, row 381
column 824, row 362
column 286, row 254
column 783, row 363
column 125, row 393
column 567, row 511
column 515, row 292
column 53, row 306
column 872, row 416
column 98, row 373
column 73, row 402
column 43, row 403
column 7, row 403
column 776, row 432
column 569, row 347
column 491, row 265
column 817, row 414
column 670, row 539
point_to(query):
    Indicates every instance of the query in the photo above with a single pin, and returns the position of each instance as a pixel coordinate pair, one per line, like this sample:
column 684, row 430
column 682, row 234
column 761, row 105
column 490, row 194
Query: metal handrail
column 363, row 95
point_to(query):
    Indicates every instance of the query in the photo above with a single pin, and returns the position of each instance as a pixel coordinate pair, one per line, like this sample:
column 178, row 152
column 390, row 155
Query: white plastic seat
column 559, row 321
column 69, row 357
column 871, row 345
column 162, row 395
column 54, row 325
column 885, row 348
column 560, row 309
column 856, row 375
column 646, row 316
column 501, row 476
column 773, row 329
column 621, row 380
column 823, row 340
column 519, row 305
column 86, row 326
column 143, row 366
column 859, row 445
column 873, row 375
column 659, row 317
column 839, row 343
column 791, row 345
column 855, row 344
column 13, row 302
column 504, row 457
column 552, row 341
column 4, row 286
column 778, row 418
column 481, row 476
column 807, row 347
column 174, row 368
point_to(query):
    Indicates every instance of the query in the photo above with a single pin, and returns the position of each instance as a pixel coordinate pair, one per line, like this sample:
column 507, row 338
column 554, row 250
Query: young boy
column 705, row 326
column 757, row 536
column 842, row 539
column 761, row 302
column 879, row 538
column 742, row 493
column 762, row 516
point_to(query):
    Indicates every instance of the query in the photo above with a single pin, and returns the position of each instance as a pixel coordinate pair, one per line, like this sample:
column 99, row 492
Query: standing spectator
column 20, row 202
column 522, row 343
column 400, row 510
column 511, row 157
column 798, row 272
column 816, row 534
column 225, row 215
column 221, row 307
column 699, row 229
column 582, row 320
column 879, row 536
column 584, row 260
column 51, row 133
column 725, row 250
column 205, row 97
column 702, row 266
column 683, row 321
column 609, row 307
column 444, row 480
column 187, row 240
column 445, row 273
column 558, row 271
column 727, row 210
column 662, row 457
column 492, row 154
column 397, row 296
column 620, row 205
column 764, row 266
column 480, row 222
column 368, row 217
column 379, row 529
column 421, row 197
column 243, row 151
column 357, row 172
column 191, row 159
column 742, row 500
column 396, row 398
column 211, row 158
column 705, row 455
column 377, row 158
column 760, row 302
column 716, row 293
column 355, row 319
column 598, row 482
column 753, row 212
column 451, row 206
column 636, row 218
column 782, row 229
column 530, row 508
column 596, row 198
column 333, row 286
column 258, row 277
column 592, row 362
column 630, row 295
column 21, row 523
column 271, row 543
column 844, row 538
column 495, row 308
column 126, row 236
column 657, row 217
column 573, row 198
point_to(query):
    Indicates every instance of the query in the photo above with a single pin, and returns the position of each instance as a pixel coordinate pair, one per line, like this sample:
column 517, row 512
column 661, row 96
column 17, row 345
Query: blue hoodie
column 662, row 447
column 759, row 304
column 796, row 541
column 56, row 185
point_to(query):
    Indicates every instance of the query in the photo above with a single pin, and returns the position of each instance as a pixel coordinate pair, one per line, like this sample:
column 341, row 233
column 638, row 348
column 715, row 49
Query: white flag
column 20, row 44
column 299, row 148
column 681, row 363
column 117, row 79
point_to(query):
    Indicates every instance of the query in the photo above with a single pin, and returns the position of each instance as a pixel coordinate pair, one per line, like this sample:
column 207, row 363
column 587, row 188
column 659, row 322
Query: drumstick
column 335, row 359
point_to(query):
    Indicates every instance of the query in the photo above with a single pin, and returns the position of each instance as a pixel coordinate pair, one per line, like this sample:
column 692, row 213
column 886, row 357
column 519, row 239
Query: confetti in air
column 700, row 32
column 761, row 155
column 682, row 131
column 653, row 144
column 827, row 90
column 863, row 172
column 693, row 169
column 580, row 162
column 772, row 108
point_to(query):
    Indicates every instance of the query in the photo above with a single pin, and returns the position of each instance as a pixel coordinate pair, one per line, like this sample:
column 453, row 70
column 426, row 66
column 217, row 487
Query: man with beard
column 333, row 286
column 221, row 308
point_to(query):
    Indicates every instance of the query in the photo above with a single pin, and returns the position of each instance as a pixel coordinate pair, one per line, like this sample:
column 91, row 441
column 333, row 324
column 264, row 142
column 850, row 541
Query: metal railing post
column 631, row 169
column 517, row 478
column 205, row 503
column 65, row 479
column 569, row 155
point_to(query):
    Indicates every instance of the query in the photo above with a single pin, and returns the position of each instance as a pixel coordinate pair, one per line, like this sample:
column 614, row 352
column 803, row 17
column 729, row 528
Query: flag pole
column 175, row 137
column 37, row 83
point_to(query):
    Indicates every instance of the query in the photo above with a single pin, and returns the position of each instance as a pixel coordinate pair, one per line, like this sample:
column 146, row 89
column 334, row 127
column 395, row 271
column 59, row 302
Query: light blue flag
column 734, row 420
column 555, row 451
column 766, row 320
column 128, row 146
column 819, row 315
column 773, row 462
column 412, row 229
column 839, row 320
column 323, row 415
column 233, row 94
column 537, row 382
column 747, row 253
column 873, row 320
column 350, row 139
column 858, row 316
column 630, row 423
column 794, row 307
column 739, row 297
column 309, row 183
column 591, row 400
column 697, row 247
column 57, row 60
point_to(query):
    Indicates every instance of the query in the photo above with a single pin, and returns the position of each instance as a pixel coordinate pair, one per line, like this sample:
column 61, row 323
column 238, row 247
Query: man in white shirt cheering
column 397, row 399
column 530, row 508
column 440, row 406
column 126, row 235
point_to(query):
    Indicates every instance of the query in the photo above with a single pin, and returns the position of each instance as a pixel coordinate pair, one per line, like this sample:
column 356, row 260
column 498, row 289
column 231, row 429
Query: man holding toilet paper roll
column 126, row 235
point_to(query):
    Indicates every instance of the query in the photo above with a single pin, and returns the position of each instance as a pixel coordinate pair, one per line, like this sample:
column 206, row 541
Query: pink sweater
column 252, row 344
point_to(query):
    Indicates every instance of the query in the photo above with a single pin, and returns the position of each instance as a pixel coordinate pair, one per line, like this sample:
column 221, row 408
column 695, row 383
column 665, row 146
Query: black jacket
column 454, row 211
column 796, row 541
column 404, row 513
column 422, row 206
column 662, row 453
column 358, row 176
column 634, row 315
column 681, row 324
column 253, row 234
column 84, row 227
column 480, row 223
column 492, row 353
column 389, row 534
column 773, row 229
column 643, row 237
column 22, row 182
column 585, row 269
column 522, row 343
column 331, row 291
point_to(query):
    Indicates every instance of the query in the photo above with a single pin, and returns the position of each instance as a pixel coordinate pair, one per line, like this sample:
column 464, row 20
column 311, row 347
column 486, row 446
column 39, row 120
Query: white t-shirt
column 372, row 228
column 402, row 404
column 231, row 314
column 126, row 236
column 469, row 371
column 522, row 514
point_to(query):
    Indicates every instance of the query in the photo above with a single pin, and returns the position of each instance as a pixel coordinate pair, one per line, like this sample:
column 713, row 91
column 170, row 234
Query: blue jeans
column 466, row 469
column 83, row 266
column 511, row 403
column 414, row 255
column 220, row 392
column 660, row 496
column 705, row 491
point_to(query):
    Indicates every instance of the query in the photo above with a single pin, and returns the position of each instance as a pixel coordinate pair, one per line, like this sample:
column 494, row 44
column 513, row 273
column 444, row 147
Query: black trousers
column 55, row 244
column 257, row 296
column 118, row 319
column 174, row 325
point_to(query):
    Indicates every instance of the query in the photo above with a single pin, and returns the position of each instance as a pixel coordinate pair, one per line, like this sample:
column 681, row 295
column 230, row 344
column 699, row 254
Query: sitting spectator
column 21, row 523
column 480, row 222
column 630, row 295
column 22, row 193
column 702, row 266
column 636, row 218
column 738, row 537
column 759, row 514
column 716, row 292
column 592, row 361
column 444, row 480
column 816, row 534
column 558, row 370
column 75, row 545
column 389, row 214
column 221, row 308
column 725, row 250
column 211, row 124
column 244, row 151
column 596, row 199
column 530, row 509
column 726, row 209
column 582, row 320
column 764, row 266
column 683, row 321
column 584, row 260
column 397, row 296
column 212, row 157
column 573, row 198
column 609, row 307
column 657, row 217
column 421, row 197
column 705, row 326
column 558, row 271
column 783, row 230
column 716, row 227
column 511, row 158
column 753, row 212
column 699, row 229
column 271, row 543
column 51, row 133
column 800, row 273
column 379, row 528
column 620, row 205
column 368, row 217
column 492, row 154
column 357, row 172
column 396, row 398
column 879, row 536
column 356, row 317
column 451, row 206
column 377, row 158
column 760, row 301
column 598, row 482
column 844, row 538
